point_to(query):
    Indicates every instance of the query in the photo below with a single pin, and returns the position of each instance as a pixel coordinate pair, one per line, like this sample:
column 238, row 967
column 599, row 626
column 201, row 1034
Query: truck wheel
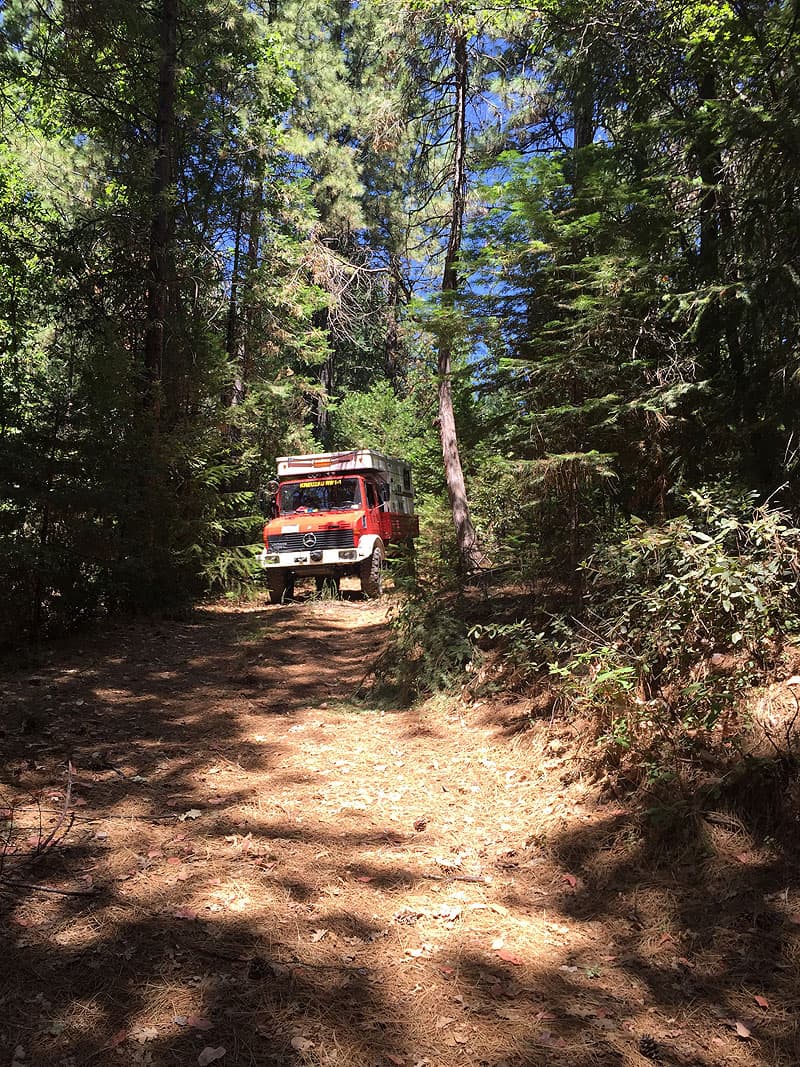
column 372, row 573
column 280, row 585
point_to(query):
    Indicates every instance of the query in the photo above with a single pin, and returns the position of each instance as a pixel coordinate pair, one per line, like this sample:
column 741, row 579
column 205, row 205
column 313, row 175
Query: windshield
column 320, row 494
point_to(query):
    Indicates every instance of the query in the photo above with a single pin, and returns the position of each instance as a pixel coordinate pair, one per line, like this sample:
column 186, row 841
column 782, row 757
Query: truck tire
column 280, row 585
column 372, row 573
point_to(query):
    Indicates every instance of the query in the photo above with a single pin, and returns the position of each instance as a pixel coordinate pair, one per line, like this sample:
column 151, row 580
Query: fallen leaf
column 761, row 1001
column 508, row 956
column 571, row 880
column 398, row 1060
column 442, row 1021
column 301, row 1044
column 209, row 1054
column 318, row 935
column 174, row 860
column 193, row 813
column 144, row 1033
column 185, row 913
column 497, row 944
column 364, row 878
column 742, row 1030
column 199, row 1022
column 461, row 1037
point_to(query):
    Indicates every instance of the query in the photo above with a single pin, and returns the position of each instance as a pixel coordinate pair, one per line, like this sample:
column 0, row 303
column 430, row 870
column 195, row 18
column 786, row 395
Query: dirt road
column 258, row 866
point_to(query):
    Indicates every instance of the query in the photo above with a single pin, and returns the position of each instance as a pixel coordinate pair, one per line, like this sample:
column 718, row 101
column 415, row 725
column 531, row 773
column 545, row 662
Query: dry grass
column 361, row 885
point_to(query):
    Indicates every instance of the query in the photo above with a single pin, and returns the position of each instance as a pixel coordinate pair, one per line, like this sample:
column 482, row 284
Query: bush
column 430, row 647
column 680, row 620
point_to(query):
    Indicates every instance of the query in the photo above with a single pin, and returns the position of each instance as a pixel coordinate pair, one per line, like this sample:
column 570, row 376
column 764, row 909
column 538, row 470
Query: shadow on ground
column 216, row 908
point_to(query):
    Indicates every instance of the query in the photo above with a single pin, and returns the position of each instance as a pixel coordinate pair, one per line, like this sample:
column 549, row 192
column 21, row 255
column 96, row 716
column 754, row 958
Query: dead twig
column 43, row 845
column 103, row 818
column 259, row 960
column 456, row 878
column 47, row 888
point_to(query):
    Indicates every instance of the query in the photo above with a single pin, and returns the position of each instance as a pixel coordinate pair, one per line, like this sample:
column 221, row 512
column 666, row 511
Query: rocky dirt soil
column 217, row 846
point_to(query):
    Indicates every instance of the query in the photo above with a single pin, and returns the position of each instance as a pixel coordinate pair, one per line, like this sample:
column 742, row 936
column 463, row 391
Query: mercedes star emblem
column 309, row 540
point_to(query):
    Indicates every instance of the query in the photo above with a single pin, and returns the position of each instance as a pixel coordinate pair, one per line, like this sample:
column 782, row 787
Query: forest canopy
column 555, row 243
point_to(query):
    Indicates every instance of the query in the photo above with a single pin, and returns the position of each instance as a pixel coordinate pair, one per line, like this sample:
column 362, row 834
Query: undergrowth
column 679, row 621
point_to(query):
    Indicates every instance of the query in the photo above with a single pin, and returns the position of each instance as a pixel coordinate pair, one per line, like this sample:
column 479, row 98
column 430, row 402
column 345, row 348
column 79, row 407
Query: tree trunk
column 583, row 127
column 248, row 310
column 393, row 345
column 233, row 328
column 470, row 555
column 162, row 226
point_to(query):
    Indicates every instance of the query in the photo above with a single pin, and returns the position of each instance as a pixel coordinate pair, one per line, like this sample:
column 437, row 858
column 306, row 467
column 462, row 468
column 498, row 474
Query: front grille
column 293, row 542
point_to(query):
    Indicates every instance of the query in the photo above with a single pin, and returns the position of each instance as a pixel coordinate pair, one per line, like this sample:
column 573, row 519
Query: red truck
column 334, row 514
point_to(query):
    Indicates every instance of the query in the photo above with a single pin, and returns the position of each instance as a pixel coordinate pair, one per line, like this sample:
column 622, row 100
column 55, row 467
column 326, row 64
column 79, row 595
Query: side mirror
column 267, row 495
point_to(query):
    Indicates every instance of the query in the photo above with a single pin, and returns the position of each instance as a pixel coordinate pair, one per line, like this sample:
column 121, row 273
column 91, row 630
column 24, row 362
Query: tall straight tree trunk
column 232, row 331
column 469, row 552
column 253, row 248
column 163, row 220
column 393, row 343
column 583, row 127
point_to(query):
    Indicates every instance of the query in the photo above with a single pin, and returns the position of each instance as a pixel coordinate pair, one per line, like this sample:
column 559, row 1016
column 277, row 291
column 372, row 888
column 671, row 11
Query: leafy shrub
column 680, row 619
column 430, row 646
column 523, row 652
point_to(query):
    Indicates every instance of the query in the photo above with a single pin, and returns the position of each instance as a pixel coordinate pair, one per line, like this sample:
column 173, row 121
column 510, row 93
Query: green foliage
column 523, row 653
column 121, row 489
column 723, row 577
column 680, row 620
column 430, row 647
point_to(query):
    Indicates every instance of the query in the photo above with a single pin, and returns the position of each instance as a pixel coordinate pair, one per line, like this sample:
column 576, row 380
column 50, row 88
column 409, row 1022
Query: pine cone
column 648, row 1047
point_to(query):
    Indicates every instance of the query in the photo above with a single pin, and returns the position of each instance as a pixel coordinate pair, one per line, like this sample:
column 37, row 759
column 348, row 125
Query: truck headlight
column 347, row 553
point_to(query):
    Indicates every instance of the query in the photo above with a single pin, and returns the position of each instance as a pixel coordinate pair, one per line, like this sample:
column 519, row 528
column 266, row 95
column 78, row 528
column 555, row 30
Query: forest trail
column 277, row 871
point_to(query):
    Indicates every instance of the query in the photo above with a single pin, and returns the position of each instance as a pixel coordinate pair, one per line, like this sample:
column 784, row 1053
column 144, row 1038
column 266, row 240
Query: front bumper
column 328, row 557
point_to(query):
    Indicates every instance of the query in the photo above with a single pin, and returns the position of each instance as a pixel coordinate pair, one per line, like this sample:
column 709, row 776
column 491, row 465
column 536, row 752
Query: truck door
column 377, row 520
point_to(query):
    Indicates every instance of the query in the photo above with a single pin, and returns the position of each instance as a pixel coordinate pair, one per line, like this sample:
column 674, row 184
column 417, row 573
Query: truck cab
column 336, row 514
